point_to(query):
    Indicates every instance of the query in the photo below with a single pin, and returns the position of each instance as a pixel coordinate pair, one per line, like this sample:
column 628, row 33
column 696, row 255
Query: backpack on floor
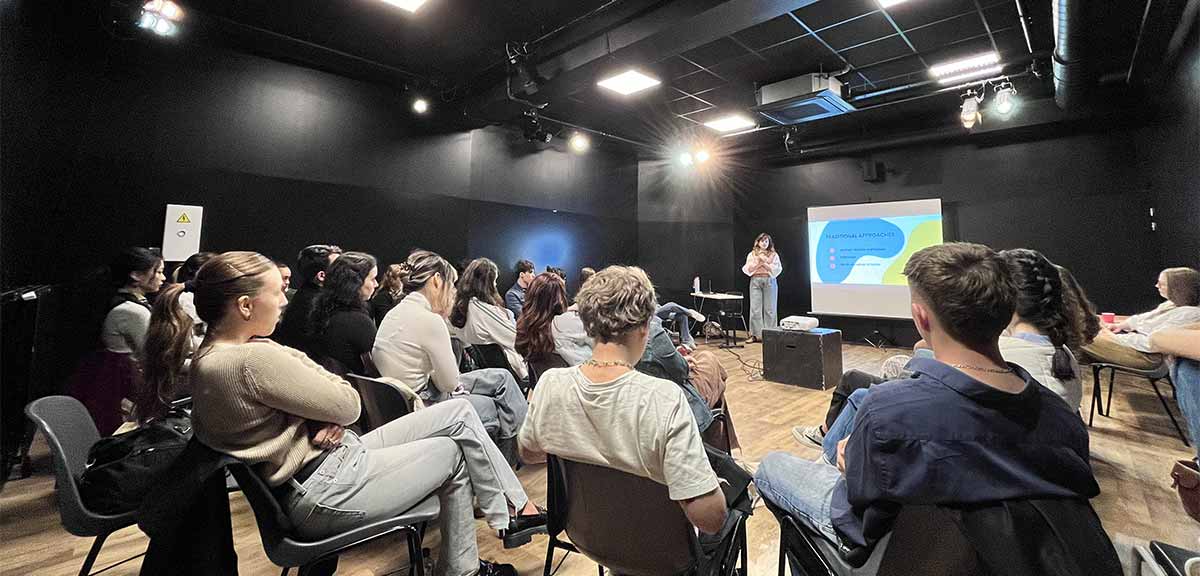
column 121, row 469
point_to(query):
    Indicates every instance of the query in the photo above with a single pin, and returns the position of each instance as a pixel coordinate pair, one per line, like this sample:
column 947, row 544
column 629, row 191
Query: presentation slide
column 857, row 253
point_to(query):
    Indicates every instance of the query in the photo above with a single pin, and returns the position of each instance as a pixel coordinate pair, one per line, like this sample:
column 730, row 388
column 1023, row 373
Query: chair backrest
column 70, row 432
column 613, row 518
column 541, row 365
column 273, row 524
column 382, row 402
column 492, row 356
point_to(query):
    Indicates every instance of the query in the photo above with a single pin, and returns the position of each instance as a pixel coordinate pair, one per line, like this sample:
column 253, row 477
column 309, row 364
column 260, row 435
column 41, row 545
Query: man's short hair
column 968, row 287
column 615, row 301
column 523, row 266
column 313, row 259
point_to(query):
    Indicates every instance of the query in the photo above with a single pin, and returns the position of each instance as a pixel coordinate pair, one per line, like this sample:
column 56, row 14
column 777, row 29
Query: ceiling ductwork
column 1073, row 73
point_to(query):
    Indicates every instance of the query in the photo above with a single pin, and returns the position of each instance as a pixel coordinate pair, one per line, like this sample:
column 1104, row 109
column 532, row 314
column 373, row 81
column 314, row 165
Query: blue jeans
column 671, row 310
column 843, row 425
column 800, row 487
column 1186, row 376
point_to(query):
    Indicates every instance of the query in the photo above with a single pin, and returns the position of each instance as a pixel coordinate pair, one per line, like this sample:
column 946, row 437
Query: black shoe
column 496, row 569
column 521, row 529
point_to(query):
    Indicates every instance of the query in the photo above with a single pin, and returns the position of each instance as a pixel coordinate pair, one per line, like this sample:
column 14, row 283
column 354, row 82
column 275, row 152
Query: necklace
column 982, row 369
column 607, row 363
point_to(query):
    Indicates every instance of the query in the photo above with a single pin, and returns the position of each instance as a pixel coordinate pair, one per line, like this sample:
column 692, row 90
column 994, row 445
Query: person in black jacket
column 389, row 293
column 311, row 265
column 340, row 322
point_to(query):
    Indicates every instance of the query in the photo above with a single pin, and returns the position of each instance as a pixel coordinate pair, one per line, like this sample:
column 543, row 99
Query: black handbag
column 122, row 469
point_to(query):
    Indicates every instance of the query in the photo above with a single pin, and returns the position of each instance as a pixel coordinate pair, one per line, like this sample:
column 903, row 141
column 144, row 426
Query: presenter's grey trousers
column 763, row 295
column 443, row 450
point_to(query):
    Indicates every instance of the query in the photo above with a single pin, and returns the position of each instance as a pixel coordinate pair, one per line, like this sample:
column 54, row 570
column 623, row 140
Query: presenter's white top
column 758, row 264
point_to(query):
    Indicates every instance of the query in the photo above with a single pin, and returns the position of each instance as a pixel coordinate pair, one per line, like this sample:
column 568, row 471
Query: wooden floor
column 1132, row 454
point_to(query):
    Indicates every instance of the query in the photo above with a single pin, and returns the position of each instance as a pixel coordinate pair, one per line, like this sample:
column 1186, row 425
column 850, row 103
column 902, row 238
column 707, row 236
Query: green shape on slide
column 926, row 234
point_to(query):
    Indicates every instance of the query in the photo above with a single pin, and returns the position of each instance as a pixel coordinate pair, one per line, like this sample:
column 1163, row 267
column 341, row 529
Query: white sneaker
column 696, row 315
column 808, row 435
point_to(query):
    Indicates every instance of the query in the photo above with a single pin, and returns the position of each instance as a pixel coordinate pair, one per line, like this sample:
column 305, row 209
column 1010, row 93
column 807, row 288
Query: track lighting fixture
column 969, row 112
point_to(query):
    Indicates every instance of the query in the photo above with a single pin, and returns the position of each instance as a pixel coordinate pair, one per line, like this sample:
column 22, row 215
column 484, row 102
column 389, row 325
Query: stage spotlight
column 969, row 113
column 685, row 158
column 531, row 128
column 701, row 156
column 420, row 105
column 1006, row 99
column 579, row 142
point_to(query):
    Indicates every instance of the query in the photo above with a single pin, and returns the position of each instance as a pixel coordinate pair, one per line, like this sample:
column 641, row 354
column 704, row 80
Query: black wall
column 99, row 134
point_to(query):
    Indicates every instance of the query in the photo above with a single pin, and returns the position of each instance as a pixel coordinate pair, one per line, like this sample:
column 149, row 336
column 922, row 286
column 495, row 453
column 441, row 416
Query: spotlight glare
column 685, row 159
column 628, row 82
column 147, row 20
column 579, row 142
column 164, row 27
column 153, row 6
column 1006, row 99
column 420, row 105
column 409, row 5
column 730, row 123
column 171, row 10
column 701, row 156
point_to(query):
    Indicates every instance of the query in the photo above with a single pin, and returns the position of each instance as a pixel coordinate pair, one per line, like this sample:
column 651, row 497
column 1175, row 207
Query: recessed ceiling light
column 890, row 3
column 410, row 5
column 982, row 72
column 964, row 65
column 628, row 82
column 730, row 123
column 420, row 105
column 579, row 142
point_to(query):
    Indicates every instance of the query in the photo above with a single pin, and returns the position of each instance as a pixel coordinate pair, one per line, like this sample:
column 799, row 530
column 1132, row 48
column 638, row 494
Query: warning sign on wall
column 181, row 232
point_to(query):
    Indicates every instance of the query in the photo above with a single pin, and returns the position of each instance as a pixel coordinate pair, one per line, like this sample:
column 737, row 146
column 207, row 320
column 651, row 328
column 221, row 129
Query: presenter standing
column 762, row 266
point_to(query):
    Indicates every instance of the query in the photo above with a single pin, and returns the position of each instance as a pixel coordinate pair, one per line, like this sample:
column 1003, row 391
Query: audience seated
column 285, row 272
column 293, row 328
column 681, row 316
column 413, row 346
column 106, row 378
column 1128, row 343
column 546, row 325
column 341, row 327
column 966, row 428
column 273, row 408
column 608, row 414
column 1049, row 321
column 479, row 315
column 388, row 295
column 1183, row 345
column 183, row 274
column 514, row 299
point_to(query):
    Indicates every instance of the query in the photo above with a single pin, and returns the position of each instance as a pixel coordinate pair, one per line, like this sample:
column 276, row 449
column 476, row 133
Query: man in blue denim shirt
column 967, row 427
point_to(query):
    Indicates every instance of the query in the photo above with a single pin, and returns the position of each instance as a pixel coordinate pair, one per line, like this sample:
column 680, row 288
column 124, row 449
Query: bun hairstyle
column 130, row 260
column 420, row 267
column 223, row 278
column 1040, row 302
column 391, row 280
column 188, row 269
column 1183, row 286
column 340, row 291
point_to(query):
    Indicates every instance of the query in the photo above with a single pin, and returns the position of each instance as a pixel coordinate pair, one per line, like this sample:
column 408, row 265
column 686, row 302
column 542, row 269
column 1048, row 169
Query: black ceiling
column 459, row 47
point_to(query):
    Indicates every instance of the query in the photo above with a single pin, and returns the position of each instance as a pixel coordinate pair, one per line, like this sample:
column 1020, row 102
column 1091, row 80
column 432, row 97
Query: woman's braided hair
column 1040, row 302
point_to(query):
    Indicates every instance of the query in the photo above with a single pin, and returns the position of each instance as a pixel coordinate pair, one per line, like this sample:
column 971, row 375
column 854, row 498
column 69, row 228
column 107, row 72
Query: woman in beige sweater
column 272, row 407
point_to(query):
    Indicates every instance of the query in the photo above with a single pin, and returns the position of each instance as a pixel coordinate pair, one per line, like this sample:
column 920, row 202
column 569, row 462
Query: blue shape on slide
column 844, row 242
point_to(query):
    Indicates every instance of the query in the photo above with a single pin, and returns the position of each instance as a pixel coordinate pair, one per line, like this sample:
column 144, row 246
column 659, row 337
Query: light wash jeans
column 494, row 394
column 764, row 295
column 682, row 320
column 1186, row 376
column 443, row 450
column 844, row 425
column 800, row 487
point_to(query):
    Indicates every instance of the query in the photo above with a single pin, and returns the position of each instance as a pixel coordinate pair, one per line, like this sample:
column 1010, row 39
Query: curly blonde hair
column 615, row 301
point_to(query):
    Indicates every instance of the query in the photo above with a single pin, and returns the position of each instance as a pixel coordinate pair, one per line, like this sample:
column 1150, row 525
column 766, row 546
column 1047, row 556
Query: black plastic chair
column 610, row 516
column 493, row 356
column 381, row 402
column 70, row 432
column 539, row 367
column 275, row 528
column 1007, row 537
column 1160, row 372
column 729, row 314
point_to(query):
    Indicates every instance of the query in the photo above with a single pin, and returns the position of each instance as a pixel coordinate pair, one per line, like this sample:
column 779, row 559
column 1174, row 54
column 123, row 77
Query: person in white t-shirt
column 605, row 413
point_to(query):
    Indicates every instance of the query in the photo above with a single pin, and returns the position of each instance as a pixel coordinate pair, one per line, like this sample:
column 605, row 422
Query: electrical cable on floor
column 753, row 369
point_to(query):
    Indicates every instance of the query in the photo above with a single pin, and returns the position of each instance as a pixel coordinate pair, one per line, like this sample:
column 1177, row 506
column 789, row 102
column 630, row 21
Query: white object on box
column 798, row 323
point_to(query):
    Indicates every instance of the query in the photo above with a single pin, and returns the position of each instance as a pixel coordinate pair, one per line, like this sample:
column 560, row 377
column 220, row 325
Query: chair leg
column 416, row 559
column 1112, row 383
column 1095, row 393
column 1167, row 409
column 285, row 571
column 601, row 570
column 549, row 558
column 92, row 554
column 782, row 553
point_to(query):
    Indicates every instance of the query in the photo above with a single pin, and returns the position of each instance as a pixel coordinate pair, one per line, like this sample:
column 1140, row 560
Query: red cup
column 1108, row 317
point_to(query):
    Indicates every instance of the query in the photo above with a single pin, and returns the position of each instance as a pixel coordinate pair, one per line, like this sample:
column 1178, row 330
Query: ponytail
column 168, row 344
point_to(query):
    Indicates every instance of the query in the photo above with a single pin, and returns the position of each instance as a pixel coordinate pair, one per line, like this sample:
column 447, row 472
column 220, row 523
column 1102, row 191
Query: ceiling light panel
column 964, row 65
column 730, row 123
column 628, row 82
column 410, row 5
column 981, row 73
column 890, row 3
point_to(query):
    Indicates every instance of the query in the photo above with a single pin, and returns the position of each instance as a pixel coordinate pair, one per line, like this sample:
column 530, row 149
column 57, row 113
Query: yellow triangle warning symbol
column 183, row 219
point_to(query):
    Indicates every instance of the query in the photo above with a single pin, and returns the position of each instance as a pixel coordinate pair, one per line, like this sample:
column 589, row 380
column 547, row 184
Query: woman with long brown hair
column 480, row 316
column 275, row 409
column 763, row 266
column 547, row 326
